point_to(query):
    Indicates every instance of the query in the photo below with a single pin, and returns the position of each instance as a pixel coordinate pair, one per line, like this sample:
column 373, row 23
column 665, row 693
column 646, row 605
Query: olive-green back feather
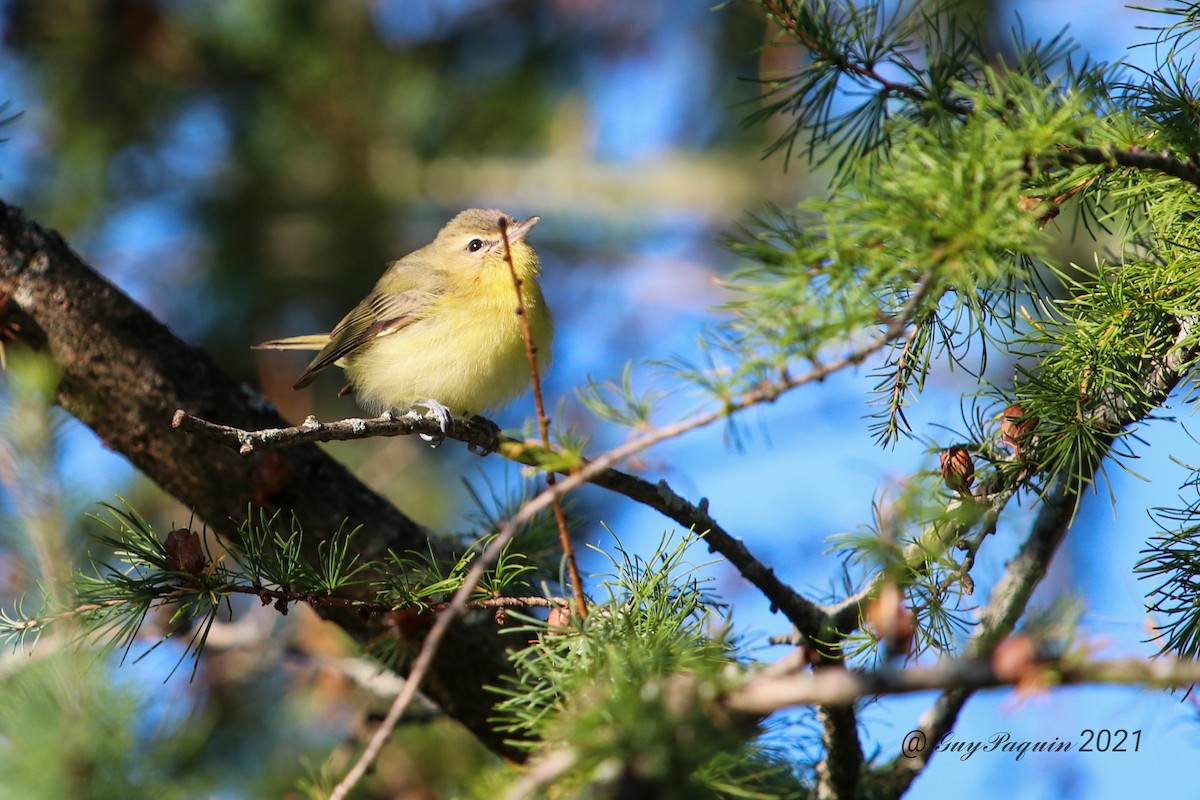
column 382, row 312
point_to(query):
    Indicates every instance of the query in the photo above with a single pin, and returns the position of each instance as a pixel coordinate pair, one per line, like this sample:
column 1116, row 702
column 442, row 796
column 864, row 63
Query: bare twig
column 395, row 423
column 560, row 516
column 833, row 686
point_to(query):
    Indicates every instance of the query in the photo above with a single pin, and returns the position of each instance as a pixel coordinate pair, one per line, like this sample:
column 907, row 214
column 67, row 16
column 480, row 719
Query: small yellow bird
column 440, row 329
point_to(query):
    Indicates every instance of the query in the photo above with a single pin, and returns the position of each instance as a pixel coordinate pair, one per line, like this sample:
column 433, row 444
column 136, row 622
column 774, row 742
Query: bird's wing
column 379, row 314
column 313, row 341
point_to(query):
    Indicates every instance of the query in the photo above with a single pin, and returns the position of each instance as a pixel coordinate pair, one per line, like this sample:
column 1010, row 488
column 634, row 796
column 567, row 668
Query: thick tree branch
column 806, row 615
column 124, row 374
column 839, row 772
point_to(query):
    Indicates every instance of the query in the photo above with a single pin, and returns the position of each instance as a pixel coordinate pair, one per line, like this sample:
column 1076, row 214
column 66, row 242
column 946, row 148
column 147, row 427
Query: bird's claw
column 491, row 430
column 441, row 415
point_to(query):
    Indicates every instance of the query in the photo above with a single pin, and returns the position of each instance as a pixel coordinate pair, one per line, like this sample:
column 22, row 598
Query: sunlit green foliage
column 115, row 598
column 632, row 693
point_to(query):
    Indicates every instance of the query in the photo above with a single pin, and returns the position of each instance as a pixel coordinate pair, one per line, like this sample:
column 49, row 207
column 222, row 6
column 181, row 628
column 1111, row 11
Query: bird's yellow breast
column 466, row 351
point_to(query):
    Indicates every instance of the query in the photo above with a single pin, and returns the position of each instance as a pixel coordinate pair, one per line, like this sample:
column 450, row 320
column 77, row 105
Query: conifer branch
column 799, row 23
column 846, row 615
column 1134, row 158
column 789, row 20
column 895, row 329
column 806, row 615
column 13, row 627
column 1011, row 595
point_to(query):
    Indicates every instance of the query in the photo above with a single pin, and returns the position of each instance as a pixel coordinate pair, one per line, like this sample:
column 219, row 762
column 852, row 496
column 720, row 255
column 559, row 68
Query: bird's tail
column 313, row 341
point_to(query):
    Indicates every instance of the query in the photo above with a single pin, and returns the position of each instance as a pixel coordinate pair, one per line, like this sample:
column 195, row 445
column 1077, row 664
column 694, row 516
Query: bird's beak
column 518, row 232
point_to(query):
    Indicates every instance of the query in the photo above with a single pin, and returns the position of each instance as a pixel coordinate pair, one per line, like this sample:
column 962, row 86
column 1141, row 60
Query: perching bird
column 440, row 329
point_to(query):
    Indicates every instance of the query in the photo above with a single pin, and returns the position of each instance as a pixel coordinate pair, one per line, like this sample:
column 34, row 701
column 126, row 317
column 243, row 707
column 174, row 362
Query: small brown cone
column 559, row 619
column 1016, row 427
column 958, row 469
column 184, row 553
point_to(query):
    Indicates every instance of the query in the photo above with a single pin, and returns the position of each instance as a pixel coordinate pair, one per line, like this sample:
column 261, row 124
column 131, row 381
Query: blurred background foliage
column 245, row 168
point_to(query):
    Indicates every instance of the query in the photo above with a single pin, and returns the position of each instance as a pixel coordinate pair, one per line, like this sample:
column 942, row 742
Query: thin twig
column 833, row 686
column 393, row 423
column 862, row 72
column 1133, row 158
column 560, row 516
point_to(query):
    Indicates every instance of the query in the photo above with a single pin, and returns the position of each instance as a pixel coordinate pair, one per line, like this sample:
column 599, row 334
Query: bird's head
column 474, row 242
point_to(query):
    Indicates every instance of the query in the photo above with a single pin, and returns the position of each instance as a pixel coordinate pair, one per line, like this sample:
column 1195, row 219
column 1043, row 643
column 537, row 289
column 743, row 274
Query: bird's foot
column 491, row 430
column 440, row 415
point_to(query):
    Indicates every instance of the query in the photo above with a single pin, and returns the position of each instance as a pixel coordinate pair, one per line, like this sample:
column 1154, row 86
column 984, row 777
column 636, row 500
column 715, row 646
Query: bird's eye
column 475, row 245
